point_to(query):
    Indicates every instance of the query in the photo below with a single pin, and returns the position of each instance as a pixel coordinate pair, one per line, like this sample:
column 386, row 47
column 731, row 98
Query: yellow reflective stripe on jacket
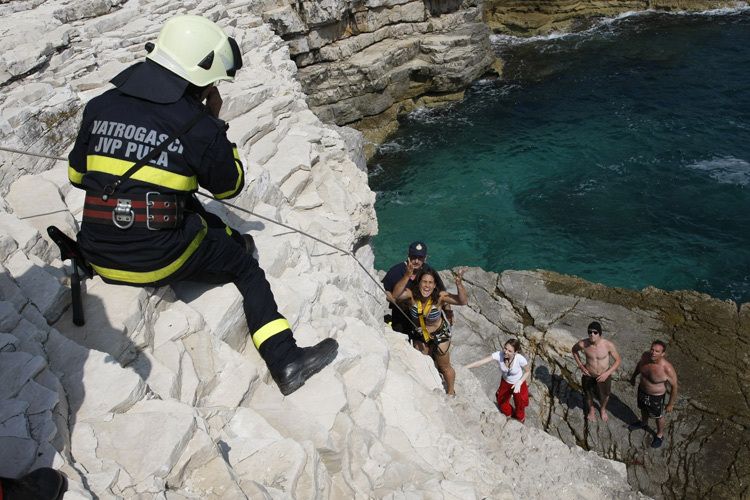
column 240, row 173
column 157, row 275
column 152, row 175
column 269, row 330
column 74, row 175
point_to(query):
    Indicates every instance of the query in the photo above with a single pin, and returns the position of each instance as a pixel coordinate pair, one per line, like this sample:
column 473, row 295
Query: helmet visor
column 236, row 57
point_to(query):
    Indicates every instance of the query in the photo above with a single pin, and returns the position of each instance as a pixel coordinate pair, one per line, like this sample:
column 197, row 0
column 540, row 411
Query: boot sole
column 309, row 371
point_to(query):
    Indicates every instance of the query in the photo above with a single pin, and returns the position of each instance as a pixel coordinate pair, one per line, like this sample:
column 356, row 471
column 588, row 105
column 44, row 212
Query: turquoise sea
column 620, row 154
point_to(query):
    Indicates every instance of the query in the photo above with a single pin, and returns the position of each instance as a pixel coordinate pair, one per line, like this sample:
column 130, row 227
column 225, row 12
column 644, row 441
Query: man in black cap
column 143, row 149
column 418, row 257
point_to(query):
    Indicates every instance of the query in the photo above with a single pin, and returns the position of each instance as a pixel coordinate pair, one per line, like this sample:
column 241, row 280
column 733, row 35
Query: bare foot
column 605, row 415
column 591, row 417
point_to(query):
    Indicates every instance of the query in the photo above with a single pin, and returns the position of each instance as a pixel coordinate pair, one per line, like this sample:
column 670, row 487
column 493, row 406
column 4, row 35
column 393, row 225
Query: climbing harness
column 152, row 211
column 421, row 312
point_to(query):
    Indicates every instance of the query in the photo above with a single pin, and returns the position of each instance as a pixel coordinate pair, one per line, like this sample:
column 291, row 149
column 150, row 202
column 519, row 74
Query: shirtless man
column 655, row 372
column 597, row 372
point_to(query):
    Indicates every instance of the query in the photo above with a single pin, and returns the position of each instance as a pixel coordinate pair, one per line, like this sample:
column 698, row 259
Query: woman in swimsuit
column 426, row 304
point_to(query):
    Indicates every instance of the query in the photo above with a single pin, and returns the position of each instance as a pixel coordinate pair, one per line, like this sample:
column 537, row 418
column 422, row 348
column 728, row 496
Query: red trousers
column 520, row 399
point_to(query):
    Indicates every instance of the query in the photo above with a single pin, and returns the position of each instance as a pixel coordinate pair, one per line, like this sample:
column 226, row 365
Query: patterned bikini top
column 431, row 313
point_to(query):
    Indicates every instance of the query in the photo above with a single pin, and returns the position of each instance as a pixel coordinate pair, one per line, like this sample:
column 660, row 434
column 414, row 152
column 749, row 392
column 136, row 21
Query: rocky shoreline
column 364, row 65
column 708, row 434
column 158, row 395
column 530, row 18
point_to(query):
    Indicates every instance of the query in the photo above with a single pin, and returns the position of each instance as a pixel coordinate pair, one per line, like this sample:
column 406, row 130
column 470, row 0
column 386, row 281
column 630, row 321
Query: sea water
column 620, row 154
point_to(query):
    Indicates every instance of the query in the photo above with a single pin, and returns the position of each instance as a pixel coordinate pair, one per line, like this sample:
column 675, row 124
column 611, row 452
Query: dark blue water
column 621, row 155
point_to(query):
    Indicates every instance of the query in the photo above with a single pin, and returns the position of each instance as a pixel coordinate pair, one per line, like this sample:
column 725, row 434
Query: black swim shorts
column 593, row 389
column 652, row 404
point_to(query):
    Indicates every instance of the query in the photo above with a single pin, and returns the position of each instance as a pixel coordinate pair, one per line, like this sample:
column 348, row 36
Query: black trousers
column 222, row 258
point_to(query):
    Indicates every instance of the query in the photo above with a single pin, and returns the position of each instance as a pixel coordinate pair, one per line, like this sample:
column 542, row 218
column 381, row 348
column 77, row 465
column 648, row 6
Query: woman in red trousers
column 515, row 371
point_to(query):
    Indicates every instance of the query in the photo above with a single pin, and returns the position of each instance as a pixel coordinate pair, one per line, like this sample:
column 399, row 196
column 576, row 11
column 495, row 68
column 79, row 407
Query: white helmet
column 197, row 50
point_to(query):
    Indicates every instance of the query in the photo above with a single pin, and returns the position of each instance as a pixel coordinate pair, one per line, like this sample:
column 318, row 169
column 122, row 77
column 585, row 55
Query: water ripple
column 726, row 170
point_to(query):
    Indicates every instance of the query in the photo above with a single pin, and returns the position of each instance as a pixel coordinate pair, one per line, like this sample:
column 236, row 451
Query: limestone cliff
column 158, row 395
column 364, row 62
column 706, row 450
column 534, row 17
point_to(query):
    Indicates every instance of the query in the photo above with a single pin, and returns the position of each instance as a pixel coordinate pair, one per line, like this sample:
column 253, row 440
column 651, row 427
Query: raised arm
column 480, row 362
column 400, row 291
column 576, row 349
column 459, row 299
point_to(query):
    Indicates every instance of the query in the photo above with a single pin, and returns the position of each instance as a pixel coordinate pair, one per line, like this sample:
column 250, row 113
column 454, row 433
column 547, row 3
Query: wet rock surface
column 533, row 17
column 706, row 450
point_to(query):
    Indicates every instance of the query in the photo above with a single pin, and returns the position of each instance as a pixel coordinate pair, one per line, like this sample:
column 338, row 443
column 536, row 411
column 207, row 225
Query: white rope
column 206, row 195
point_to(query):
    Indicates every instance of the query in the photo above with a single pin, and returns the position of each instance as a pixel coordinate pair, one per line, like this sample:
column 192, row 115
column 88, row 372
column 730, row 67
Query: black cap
column 418, row 249
column 150, row 81
column 596, row 327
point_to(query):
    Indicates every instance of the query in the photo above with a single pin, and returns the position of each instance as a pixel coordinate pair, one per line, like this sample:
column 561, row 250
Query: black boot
column 310, row 361
column 41, row 484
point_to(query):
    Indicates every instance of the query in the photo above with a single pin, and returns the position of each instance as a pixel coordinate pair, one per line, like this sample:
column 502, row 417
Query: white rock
column 18, row 455
column 8, row 343
column 26, row 237
column 232, row 378
column 7, row 244
column 16, row 369
column 94, row 382
column 162, row 380
column 13, row 418
column 245, row 434
column 9, row 290
column 165, row 426
column 320, row 399
column 189, row 381
column 112, row 315
column 9, row 317
column 176, row 322
column 39, row 398
column 44, row 289
column 230, row 326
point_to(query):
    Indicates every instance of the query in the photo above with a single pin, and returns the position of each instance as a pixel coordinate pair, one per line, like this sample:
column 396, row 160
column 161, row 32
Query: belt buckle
column 149, row 204
column 122, row 215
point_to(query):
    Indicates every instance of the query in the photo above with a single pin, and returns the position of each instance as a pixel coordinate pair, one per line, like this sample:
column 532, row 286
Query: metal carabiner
column 123, row 215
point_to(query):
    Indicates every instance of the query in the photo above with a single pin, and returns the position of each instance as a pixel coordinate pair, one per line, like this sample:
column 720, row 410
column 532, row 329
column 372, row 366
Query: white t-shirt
column 516, row 368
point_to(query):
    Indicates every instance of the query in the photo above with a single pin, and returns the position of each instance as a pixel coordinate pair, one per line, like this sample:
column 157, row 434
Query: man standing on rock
column 143, row 149
column 655, row 372
column 597, row 372
column 417, row 256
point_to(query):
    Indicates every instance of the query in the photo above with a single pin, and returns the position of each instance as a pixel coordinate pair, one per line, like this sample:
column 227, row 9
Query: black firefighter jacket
column 117, row 130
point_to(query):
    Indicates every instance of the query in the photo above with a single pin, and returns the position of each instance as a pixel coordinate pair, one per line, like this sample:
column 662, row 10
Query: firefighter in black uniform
column 142, row 224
